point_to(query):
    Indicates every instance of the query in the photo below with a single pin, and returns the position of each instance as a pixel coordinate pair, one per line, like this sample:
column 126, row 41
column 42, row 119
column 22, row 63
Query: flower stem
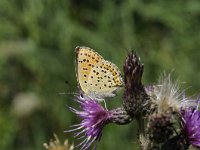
column 144, row 141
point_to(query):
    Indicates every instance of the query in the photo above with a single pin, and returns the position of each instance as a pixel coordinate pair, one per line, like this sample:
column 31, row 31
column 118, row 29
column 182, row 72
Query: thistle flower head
column 191, row 125
column 94, row 118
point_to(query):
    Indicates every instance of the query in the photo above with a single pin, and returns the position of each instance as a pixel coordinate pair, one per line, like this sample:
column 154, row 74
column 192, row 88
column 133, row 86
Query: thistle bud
column 135, row 97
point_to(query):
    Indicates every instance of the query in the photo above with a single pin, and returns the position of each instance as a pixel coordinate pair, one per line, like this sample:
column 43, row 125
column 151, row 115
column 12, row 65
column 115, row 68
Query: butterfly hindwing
column 104, row 79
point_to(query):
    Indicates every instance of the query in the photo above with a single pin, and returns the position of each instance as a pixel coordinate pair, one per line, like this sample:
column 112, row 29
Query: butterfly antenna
column 67, row 83
column 67, row 93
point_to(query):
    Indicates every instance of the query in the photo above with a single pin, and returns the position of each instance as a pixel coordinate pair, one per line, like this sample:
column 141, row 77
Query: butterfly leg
column 100, row 100
column 105, row 104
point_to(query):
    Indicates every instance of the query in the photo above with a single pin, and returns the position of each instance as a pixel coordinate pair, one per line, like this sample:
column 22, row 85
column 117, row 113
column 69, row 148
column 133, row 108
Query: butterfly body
column 97, row 78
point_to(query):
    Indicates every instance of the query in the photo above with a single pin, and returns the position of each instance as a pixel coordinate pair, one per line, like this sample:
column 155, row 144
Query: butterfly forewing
column 86, row 59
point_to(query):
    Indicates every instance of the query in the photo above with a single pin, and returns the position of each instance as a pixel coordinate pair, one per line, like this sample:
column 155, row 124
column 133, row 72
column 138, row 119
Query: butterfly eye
column 81, row 96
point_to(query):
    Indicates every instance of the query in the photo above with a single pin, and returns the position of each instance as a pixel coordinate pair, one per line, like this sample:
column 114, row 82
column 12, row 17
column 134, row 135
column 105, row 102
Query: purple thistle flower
column 94, row 118
column 191, row 125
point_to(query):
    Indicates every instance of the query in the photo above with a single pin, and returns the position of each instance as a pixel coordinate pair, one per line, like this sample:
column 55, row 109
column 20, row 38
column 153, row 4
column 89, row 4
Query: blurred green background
column 37, row 41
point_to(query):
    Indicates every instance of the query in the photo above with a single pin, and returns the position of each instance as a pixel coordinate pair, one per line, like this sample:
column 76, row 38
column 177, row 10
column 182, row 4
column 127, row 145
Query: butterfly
column 97, row 78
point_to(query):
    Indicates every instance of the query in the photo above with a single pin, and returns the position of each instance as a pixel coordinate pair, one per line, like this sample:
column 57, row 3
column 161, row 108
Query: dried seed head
column 166, row 97
column 160, row 127
column 56, row 145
